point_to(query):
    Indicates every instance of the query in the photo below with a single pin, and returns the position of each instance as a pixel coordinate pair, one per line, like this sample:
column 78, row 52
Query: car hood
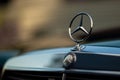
column 53, row 58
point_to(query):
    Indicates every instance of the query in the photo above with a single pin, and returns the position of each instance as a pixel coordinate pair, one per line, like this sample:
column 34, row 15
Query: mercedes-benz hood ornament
column 81, row 28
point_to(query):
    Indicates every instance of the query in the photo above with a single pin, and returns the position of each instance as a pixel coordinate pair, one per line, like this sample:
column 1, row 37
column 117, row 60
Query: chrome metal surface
column 69, row 59
column 80, row 27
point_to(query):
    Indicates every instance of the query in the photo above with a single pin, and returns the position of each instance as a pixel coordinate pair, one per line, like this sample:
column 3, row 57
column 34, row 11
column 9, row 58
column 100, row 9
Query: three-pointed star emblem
column 80, row 27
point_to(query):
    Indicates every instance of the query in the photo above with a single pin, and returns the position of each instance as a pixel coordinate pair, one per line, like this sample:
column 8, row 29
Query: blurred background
column 37, row 24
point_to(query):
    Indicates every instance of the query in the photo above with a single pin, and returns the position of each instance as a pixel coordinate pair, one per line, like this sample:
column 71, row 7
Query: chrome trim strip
column 95, row 71
column 34, row 69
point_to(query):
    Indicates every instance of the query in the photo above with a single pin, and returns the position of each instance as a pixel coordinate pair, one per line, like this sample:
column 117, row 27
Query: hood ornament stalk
column 81, row 28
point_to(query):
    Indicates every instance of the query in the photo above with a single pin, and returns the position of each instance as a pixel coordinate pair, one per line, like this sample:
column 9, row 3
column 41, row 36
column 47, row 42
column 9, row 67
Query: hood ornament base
column 78, row 47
